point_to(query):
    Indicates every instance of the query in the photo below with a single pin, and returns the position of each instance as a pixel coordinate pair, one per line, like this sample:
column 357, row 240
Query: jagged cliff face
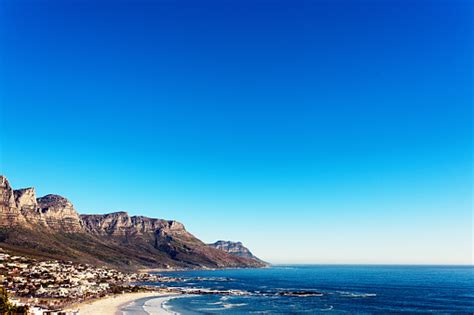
column 121, row 224
column 58, row 213
column 22, row 208
column 10, row 215
column 50, row 227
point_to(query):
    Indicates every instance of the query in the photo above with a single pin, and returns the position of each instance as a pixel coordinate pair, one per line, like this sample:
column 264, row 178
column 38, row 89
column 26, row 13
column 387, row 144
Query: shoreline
column 203, row 268
column 150, row 305
column 114, row 304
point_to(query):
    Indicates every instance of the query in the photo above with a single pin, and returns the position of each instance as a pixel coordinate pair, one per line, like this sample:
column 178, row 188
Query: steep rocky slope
column 21, row 208
column 235, row 248
column 50, row 227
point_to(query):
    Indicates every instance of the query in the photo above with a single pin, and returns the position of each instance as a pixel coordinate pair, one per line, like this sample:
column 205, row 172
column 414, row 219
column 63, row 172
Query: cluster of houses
column 55, row 284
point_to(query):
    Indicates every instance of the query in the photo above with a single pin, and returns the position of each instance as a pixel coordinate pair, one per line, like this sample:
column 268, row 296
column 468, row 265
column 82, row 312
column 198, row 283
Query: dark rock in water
column 50, row 227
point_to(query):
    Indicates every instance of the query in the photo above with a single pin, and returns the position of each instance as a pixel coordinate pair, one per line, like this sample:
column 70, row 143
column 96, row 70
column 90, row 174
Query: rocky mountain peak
column 53, row 201
column 21, row 208
column 25, row 200
column 7, row 196
column 175, row 225
column 10, row 215
column 234, row 248
column 25, row 195
column 59, row 213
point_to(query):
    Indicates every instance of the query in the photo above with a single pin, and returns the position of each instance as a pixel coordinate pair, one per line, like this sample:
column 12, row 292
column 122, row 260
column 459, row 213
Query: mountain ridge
column 50, row 227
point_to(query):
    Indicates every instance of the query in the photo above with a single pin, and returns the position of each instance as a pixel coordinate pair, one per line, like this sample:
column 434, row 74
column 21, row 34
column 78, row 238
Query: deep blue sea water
column 345, row 289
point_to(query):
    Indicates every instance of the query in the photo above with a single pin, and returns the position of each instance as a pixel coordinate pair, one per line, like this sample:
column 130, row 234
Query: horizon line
column 373, row 264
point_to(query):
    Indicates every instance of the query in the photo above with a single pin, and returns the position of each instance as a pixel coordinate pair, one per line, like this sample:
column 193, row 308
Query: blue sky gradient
column 313, row 131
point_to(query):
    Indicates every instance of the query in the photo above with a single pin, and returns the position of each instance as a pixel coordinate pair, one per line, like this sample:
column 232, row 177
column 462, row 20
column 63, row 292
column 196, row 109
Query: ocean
column 314, row 289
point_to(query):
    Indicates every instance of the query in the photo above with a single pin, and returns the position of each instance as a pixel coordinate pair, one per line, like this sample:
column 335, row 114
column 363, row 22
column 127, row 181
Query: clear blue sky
column 313, row 131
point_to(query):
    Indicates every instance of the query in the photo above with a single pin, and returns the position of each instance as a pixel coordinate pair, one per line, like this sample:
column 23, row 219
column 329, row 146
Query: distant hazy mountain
column 50, row 227
column 235, row 248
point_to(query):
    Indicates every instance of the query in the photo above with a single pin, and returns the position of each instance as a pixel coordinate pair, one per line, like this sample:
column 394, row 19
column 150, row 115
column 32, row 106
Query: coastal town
column 48, row 287
column 54, row 287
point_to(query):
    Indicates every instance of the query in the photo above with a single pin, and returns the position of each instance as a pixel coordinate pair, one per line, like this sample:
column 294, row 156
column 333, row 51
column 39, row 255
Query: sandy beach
column 112, row 305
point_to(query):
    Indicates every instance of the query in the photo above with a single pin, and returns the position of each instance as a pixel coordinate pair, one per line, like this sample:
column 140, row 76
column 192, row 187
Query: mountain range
column 50, row 227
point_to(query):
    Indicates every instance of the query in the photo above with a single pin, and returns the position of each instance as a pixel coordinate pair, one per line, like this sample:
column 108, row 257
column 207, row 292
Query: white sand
column 112, row 305
column 156, row 306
